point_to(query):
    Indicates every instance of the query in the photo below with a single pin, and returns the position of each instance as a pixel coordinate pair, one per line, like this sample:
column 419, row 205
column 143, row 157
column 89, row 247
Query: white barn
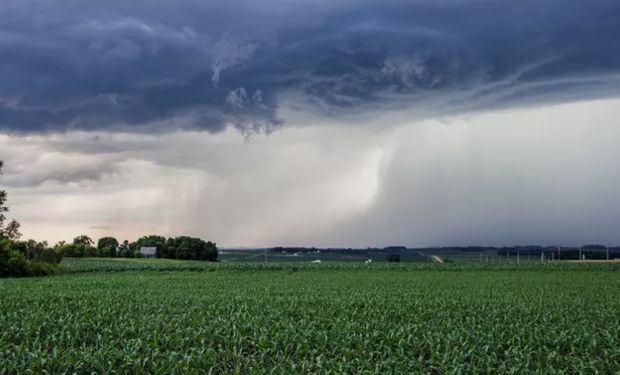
column 148, row 252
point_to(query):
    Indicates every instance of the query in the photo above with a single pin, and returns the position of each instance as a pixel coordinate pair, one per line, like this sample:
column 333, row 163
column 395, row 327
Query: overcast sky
column 316, row 123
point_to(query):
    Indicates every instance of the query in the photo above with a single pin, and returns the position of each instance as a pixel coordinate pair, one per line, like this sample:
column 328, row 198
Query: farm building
column 148, row 252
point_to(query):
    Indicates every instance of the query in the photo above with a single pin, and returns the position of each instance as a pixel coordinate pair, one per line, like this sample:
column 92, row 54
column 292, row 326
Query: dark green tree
column 124, row 250
column 82, row 246
column 107, row 246
column 12, row 263
column 3, row 208
column 11, row 230
column 83, row 240
column 184, row 247
column 37, row 251
column 155, row 241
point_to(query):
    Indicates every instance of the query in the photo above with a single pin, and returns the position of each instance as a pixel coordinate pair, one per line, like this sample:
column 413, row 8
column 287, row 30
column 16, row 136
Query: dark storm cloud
column 143, row 65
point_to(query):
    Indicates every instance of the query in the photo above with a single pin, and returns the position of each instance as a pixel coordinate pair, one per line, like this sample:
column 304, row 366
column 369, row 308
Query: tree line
column 32, row 258
column 181, row 247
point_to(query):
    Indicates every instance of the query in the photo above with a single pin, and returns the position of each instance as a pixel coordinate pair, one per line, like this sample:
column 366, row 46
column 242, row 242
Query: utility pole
column 580, row 253
column 607, row 250
column 559, row 250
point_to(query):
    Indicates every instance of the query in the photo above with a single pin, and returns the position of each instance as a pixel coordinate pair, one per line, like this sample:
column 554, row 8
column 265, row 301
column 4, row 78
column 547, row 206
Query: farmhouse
column 148, row 252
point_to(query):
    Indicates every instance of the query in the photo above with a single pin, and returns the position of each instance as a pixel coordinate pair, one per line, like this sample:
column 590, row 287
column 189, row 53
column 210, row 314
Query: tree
column 83, row 240
column 76, row 249
column 12, row 263
column 155, row 241
column 11, row 230
column 79, row 248
column 37, row 251
column 124, row 250
column 107, row 246
column 3, row 208
column 29, row 258
column 184, row 247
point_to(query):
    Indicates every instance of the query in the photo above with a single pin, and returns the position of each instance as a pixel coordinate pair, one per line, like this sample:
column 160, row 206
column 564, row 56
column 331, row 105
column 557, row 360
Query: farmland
column 159, row 317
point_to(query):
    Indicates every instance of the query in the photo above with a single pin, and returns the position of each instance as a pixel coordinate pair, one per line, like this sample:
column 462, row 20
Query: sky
column 313, row 122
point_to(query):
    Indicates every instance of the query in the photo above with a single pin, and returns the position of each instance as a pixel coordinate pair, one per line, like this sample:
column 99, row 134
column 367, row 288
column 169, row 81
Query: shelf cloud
column 163, row 66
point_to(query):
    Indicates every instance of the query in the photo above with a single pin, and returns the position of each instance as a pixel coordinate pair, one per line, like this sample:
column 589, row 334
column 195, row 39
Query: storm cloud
column 162, row 66
column 547, row 176
column 313, row 122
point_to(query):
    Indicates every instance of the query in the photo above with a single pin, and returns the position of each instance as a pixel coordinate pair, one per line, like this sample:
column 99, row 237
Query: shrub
column 42, row 269
column 18, row 259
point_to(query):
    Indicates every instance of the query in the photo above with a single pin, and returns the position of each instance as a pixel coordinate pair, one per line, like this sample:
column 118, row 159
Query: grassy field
column 262, row 255
column 157, row 317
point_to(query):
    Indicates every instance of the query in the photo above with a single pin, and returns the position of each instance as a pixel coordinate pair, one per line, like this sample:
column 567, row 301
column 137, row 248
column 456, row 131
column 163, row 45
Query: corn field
column 343, row 319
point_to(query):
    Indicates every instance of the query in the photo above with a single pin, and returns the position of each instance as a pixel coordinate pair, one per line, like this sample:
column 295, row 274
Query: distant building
column 148, row 252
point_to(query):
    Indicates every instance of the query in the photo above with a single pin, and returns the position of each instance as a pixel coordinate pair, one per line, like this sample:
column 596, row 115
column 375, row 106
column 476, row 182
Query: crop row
column 74, row 265
column 345, row 321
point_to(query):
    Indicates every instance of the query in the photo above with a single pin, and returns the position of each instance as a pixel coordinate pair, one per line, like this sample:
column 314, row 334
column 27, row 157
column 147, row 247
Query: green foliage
column 10, row 230
column 395, row 258
column 184, row 247
column 19, row 259
column 150, row 264
column 12, row 263
column 76, row 250
column 155, row 241
column 360, row 320
column 3, row 208
column 125, row 251
column 107, row 246
column 37, row 251
column 83, row 240
column 77, row 265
